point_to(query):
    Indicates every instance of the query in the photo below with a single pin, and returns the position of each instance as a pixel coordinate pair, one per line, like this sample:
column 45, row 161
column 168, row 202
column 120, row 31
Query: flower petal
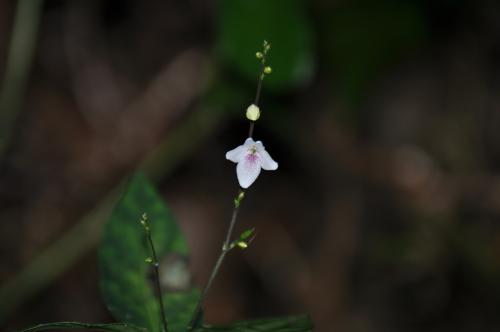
column 249, row 142
column 267, row 162
column 248, row 170
column 236, row 155
column 259, row 146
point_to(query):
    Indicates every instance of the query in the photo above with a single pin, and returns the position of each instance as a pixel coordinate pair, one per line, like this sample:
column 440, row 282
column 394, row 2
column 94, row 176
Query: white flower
column 251, row 157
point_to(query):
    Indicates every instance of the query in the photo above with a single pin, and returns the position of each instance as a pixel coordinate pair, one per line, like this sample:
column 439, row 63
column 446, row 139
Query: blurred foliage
column 19, row 62
column 364, row 37
column 241, row 27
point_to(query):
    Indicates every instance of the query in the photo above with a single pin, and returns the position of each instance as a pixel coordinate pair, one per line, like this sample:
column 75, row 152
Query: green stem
column 225, row 249
column 226, row 246
column 156, row 266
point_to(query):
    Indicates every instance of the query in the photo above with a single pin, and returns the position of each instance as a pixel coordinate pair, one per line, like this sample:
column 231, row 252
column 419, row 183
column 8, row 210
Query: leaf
column 281, row 324
column 246, row 234
column 124, row 273
column 290, row 323
column 180, row 307
column 242, row 27
column 114, row 327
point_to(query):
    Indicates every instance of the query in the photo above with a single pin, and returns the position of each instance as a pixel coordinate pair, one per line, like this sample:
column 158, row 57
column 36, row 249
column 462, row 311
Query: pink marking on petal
column 251, row 158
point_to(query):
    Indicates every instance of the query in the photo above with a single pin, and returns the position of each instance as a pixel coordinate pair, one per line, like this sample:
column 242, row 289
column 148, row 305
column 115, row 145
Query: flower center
column 252, row 158
column 252, row 154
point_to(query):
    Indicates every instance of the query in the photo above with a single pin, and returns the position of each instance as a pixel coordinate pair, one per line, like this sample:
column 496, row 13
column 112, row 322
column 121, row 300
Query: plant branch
column 257, row 94
column 262, row 75
column 156, row 266
column 226, row 247
column 227, row 244
column 259, row 83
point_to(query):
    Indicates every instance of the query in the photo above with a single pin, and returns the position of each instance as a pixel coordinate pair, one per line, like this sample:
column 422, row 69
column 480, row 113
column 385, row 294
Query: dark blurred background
column 384, row 117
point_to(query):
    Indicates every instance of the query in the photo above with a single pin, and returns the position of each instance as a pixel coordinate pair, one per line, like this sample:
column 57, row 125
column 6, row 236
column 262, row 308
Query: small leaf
column 124, row 276
column 244, row 240
column 114, row 327
column 246, row 234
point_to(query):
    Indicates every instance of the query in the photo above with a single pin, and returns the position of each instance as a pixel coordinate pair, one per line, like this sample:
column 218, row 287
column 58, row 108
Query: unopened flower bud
column 268, row 70
column 242, row 244
column 259, row 55
column 266, row 46
column 253, row 112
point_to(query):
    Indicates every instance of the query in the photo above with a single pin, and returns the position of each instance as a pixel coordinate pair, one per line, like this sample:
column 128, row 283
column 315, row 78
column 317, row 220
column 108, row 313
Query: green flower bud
column 242, row 244
column 253, row 112
column 268, row 70
column 259, row 55
column 266, row 46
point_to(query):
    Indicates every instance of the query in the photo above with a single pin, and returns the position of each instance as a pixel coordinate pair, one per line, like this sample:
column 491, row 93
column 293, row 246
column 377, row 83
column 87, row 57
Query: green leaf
column 244, row 24
column 290, row 323
column 281, row 324
column 115, row 327
column 180, row 307
column 179, row 301
column 124, row 273
column 246, row 234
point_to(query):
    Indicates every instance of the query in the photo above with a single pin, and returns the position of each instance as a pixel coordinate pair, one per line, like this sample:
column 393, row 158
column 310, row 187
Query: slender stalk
column 225, row 249
column 250, row 130
column 257, row 93
column 259, row 83
column 156, row 266
column 227, row 244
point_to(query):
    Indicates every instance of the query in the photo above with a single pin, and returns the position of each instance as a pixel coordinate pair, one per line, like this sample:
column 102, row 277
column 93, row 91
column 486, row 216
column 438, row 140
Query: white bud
column 253, row 112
